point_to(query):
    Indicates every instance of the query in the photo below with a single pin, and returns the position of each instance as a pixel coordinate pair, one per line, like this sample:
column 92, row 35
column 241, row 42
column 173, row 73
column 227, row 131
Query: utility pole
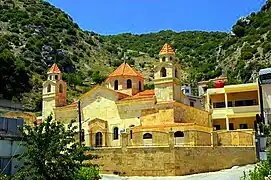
column 80, row 122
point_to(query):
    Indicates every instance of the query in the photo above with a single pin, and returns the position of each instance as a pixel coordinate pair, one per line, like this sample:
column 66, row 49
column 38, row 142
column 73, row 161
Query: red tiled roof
column 167, row 49
column 54, row 69
column 125, row 70
column 141, row 95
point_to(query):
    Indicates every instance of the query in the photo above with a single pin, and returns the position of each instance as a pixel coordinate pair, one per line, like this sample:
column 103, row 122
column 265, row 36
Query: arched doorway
column 98, row 139
column 179, row 138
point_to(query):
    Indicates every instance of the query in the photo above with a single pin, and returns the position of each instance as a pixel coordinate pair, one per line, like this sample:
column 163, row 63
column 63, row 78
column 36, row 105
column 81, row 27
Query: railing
column 243, row 109
column 222, row 112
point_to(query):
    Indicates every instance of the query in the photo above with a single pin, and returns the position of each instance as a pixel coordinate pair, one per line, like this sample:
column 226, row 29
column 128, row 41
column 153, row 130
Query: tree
column 238, row 30
column 52, row 152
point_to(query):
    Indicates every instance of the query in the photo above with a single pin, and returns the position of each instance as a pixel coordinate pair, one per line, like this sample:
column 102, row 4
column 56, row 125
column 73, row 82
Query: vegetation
column 54, row 153
column 35, row 34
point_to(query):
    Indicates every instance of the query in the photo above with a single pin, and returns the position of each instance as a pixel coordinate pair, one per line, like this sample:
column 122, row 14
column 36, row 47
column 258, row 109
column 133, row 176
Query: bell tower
column 54, row 92
column 167, row 76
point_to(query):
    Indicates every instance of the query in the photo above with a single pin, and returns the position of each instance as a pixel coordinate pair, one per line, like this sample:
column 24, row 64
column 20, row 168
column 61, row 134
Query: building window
column 219, row 104
column 131, row 134
column 176, row 73
column 116, row 85
column 187, row 91
column 231, row 126
column 98, row 139
column 229, row 103
column 163, row 59
column 5, row 165
column 49, row 88
column 116, row 133
column 243, row 126
column 61, row 88
column 191, row 103
column 56, row 77
column 163, row 72
column 217, row 127
column 147, row 136
column 170, row 58
column 129, row 83
column 178, row 134
column 139, row 86
column 245, row 103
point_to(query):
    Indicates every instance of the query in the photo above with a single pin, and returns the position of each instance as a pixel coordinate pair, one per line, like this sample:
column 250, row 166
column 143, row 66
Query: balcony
column 241, row 111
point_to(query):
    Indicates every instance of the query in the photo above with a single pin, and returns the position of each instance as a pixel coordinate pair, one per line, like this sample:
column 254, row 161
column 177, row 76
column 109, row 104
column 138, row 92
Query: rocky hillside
column 35, row 34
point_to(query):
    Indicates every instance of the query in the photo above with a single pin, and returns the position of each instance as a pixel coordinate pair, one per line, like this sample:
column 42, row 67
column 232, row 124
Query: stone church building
column 121, row 104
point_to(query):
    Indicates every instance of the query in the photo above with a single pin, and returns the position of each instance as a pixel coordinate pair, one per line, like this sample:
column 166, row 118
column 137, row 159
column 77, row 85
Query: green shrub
column 87, row 173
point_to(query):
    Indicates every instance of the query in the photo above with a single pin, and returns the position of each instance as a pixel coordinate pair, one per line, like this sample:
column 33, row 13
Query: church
column 121, row 104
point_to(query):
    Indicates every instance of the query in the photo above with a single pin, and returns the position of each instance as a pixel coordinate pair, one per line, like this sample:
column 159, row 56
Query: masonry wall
column 167, row 161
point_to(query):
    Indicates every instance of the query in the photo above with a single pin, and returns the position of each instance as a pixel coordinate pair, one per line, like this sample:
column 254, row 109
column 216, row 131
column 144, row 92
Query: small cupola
column 167, row 53
column 54, row 74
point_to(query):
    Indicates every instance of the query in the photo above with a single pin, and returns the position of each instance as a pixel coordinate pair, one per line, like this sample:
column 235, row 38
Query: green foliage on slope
column 195, row 49
column 35, row 34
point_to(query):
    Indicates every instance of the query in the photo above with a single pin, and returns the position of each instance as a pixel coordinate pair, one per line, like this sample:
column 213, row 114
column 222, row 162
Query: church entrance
column 98, row 139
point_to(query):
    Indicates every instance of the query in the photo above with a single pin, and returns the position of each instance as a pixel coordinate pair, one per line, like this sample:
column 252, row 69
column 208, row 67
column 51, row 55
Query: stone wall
column 235, row 138
column 168, row 161
column 162, row 156
column 187, row 114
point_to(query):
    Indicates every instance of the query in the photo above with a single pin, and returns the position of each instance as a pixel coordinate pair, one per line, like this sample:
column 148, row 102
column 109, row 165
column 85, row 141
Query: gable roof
column 167, row 49
column 54, row 69
column 121, row 95
column 125, row 70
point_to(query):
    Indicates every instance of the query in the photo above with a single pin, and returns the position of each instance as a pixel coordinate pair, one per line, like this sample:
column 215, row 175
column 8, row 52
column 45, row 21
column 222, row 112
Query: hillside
column 196, row 50
column 35, row 34
column 204, row 55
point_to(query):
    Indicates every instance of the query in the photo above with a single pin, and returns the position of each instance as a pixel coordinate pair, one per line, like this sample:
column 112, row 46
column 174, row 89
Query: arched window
column 139, row 86
column 129, row 83
column 176, row 73
column 170, row 58
column 147, row 136
column 163, row 72
column 98, row 139
column 61, row 88
column 178, row 134
column 116, row 133
column 116, row 85
column 56, row 77
column 163, row 59
column 49, row 88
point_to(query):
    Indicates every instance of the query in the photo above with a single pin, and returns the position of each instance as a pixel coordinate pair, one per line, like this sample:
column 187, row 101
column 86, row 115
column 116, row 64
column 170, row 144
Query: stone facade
column 171, row 159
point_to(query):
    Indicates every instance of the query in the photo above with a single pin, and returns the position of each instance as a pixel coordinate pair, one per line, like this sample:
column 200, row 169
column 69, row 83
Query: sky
column 144, row 16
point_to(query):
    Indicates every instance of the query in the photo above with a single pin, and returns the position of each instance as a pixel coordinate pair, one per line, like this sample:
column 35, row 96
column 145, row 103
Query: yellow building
column 233, row 106
column 122, row 105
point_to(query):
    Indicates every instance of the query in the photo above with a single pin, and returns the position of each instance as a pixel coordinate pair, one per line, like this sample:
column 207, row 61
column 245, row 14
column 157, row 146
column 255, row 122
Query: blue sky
column 143, row 16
